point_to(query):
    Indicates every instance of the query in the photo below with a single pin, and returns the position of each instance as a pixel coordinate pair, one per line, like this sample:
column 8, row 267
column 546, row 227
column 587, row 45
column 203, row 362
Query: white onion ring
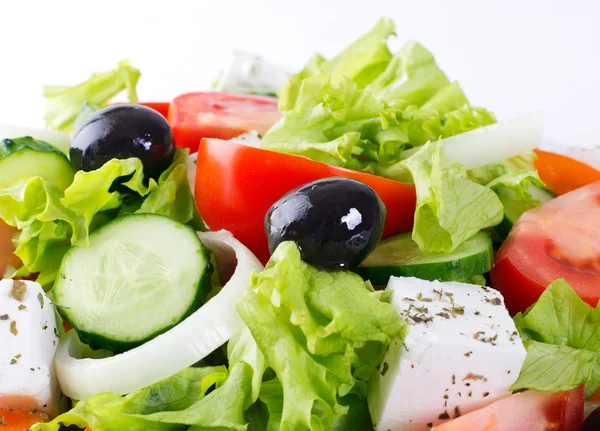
column 493, row 143
column 180, row 347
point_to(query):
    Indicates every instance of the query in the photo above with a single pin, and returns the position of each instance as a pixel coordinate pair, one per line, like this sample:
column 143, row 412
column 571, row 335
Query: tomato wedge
column 237, row 184
column 559, row 411
column 563, row 174
column 17, row 420
column 559, row 239
column 161, row 107
column 7, row 256
column 194, row 116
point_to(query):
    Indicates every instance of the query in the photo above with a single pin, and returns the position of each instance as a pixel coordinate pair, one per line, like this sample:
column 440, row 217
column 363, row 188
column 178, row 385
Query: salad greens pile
column 364, row 107
column 314, row 337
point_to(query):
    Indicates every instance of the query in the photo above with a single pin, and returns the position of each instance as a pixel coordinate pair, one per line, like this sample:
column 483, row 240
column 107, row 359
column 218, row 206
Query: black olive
column 121, row 132
column 592, row 423
column 336, row 222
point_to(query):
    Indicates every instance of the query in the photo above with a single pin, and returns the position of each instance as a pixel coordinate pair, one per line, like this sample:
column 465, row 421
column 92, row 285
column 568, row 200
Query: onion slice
column 180, row 347
column 494, row 143
column 60, row 140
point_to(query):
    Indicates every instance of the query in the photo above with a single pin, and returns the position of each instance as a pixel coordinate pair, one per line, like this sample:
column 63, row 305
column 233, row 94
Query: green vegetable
column 361, row 109
column 65, row 103
column 122, row 269
column 518, row 193
column 24, row 158
column 450, row 207
column 111, row 412
column 562, row 338
column 514, row 166
column 51, row 220
column 362, row 62
column 322, row 334
column 399, row 255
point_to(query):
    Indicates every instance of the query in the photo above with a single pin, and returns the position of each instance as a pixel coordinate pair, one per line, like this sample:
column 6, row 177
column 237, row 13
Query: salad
column 350, row 247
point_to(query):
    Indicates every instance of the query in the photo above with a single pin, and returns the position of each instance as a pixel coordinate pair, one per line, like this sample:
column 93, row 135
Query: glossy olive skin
column 592, row 423
column 336, row 222
column 121, row 132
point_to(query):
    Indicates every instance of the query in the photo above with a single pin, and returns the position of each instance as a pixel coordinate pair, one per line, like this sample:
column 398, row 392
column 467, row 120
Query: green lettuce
column 64, row 104
column 111, row 412
column 450, row 207
column 364, row 107
column 321, row 333
column 562, row 337
column 50, row 219
column 518, row 193
column 517, row 165
column 362, row 62
column 517, row 185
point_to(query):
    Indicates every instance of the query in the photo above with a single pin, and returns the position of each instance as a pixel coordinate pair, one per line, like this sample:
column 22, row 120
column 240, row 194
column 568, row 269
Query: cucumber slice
column 399, row 255
column 24, row 158
column 140, row 275
column 60, row 140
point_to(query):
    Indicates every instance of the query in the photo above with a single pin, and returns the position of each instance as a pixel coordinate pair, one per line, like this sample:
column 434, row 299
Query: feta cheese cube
column 461, row 353
column 28, row 341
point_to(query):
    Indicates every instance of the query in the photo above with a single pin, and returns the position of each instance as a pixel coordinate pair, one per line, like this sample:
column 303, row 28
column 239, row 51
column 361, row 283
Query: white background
column 512, row 57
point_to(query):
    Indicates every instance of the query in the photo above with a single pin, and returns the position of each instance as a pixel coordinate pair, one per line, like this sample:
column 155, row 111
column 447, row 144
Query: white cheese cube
column 28, row 341
column 461, row 353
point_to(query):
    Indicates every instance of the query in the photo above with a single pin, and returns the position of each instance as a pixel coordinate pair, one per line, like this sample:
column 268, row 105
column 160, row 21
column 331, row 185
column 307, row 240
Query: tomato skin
column 161, row 107
column 560, row 239
column 18, row 420
column 194, row 116
column 237, row 184
column 530, row 410
column 519, row 291
column 563, row 174
column 7, row 249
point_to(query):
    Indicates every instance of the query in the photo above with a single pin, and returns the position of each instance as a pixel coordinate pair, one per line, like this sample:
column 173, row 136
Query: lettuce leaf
column 450, row 207
column 518, row 193
column 111, row 412
column 364, row 107
column 51, row 220
column 514, row 166
column 64, row 104
column 322, row 334
column 562, row 337
column 412, row 77
column 551, row 368
column 362, row 61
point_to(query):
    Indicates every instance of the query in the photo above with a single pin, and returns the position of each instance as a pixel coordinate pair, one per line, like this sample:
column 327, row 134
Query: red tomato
column 559, row 239
column 194, row 116
column 535, row 411
column 17, row 420
column 7, row 256
column 237, row 184
column 563, row 174
column 161, row 107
